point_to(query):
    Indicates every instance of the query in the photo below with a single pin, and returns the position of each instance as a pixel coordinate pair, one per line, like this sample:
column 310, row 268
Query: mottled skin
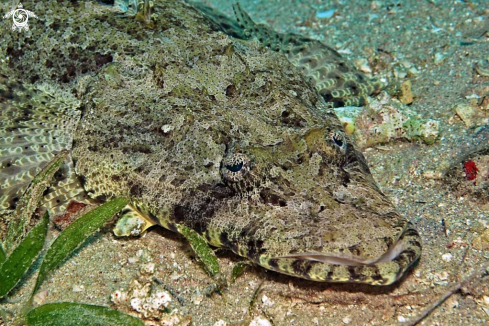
column 308, row 188
column 234, row 142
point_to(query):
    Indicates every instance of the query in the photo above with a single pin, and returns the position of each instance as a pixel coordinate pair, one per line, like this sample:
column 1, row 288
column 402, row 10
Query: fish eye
column 235, row 167
column 339, row 139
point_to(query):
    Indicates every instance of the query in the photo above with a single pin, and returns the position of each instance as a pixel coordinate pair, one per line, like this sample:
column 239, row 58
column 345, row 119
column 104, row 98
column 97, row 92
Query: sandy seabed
column 435, row 45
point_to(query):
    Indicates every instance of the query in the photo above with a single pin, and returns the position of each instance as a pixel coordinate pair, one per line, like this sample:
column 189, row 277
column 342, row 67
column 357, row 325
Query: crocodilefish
column 201, row 127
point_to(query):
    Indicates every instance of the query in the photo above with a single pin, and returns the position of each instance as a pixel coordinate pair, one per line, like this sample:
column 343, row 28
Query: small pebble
column 220, row 323
column 362, row 64
column 482, row 241
column 447, row 257
column 406, row 93
column 347, row 320
column 438, row 58
column 40, row 297
column 325, row 14
column 472, row 96
column 166, row 128
column 197, row 297
column 406, row 64
column 147, row 268
column 452, row 302
column 467, row 113
column 78, row 288
column 485, row 299
column 413, row 71
column 375, row 5
column 266, row 301
column 430, row 174
column 259, row 321
column 443, row 276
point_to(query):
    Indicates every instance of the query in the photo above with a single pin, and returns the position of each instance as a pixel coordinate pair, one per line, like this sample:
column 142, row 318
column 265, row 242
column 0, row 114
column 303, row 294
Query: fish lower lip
column 350, row 260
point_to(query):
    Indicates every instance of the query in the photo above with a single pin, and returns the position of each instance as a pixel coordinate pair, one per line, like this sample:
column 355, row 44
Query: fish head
column 304, row 202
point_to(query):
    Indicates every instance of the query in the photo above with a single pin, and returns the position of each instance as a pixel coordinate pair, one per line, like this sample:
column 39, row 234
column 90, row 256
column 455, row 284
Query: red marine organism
column 470, row 170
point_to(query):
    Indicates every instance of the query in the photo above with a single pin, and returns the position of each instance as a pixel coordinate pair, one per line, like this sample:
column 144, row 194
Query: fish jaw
column 360, row 252
column 323, row 219
column 385, row 270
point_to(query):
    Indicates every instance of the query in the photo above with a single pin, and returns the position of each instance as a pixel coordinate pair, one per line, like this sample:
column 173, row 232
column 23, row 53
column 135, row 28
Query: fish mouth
column 349, row 260
column 384, row 269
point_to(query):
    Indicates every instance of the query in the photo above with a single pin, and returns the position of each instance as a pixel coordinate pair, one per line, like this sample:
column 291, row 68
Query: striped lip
column 350, row 260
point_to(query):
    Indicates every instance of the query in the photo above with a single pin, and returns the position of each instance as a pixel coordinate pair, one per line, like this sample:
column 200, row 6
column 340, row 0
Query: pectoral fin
column 133, row 222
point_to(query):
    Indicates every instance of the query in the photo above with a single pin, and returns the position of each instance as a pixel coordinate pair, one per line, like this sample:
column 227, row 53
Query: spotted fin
column 336, row 79
column 36, row 123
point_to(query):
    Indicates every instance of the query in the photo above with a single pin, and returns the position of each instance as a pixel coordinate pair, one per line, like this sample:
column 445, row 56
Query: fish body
column 201, row 129
column 334, row 77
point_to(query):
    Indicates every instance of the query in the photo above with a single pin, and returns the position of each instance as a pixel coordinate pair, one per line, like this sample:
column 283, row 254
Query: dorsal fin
column 337, row 80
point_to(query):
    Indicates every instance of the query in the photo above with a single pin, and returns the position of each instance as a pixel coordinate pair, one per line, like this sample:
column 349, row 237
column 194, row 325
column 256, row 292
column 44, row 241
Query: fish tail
column 36, row 123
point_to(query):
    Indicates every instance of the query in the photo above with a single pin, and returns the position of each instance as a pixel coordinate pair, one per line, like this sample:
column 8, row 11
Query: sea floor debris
column 385, row 119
